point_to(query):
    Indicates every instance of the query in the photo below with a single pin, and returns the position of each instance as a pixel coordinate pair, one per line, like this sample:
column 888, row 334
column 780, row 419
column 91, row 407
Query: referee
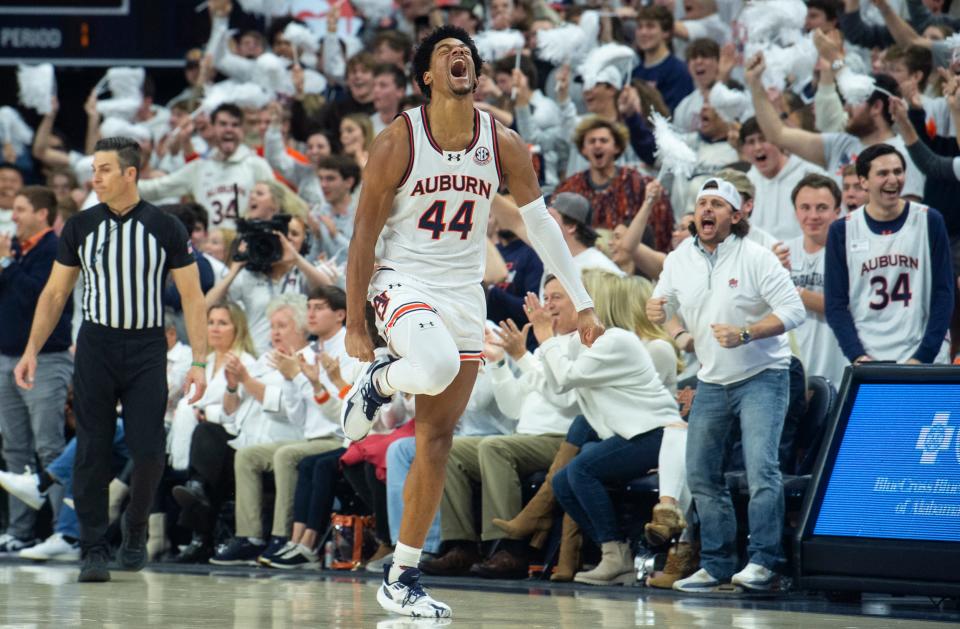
column 124, row 247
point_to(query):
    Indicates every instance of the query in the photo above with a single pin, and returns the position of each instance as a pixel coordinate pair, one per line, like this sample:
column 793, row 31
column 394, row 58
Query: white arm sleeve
column 547, row 240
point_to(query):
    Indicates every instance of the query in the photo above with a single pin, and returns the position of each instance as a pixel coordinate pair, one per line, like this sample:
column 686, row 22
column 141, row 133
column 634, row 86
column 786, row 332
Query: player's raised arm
column 385, row 167
column 542, row 231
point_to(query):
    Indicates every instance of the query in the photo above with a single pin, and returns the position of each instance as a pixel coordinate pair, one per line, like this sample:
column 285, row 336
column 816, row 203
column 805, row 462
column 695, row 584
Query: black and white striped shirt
column 124, row 261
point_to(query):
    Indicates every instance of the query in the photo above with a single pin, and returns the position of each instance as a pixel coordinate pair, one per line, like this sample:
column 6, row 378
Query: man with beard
column 614, row 192
column 889, row 277
column 868, row 124
column 221, row 183
column 738, row 303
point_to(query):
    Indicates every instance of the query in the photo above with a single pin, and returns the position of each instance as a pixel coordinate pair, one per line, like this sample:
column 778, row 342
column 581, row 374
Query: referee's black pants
column 129, row 366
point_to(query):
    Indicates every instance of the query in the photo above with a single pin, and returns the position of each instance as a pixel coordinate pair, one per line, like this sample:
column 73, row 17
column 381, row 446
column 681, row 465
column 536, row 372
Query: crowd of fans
column 780, row 218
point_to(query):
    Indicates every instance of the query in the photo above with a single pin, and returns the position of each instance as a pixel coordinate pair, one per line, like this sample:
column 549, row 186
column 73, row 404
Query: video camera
column 263, row 247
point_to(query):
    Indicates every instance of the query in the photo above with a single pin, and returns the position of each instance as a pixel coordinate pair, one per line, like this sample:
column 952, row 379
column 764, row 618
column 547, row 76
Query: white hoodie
column 221, row 185
column 772, row 208
column 745, row 283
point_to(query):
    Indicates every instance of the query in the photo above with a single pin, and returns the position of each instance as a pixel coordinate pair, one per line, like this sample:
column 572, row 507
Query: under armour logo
column 453, row 157
column 428, row 324
column 934, row 438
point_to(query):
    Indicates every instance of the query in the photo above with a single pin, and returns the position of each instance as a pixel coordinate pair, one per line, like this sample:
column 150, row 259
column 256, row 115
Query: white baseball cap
column 723, row 189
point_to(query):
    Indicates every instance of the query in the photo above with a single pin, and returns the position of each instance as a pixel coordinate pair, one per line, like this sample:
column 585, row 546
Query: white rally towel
column 569, row 43
column 38, row 86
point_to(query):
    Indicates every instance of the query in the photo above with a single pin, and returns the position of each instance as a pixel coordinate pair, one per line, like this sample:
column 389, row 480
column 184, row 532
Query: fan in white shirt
column 817, row 201
column 738, row 303
column 227, row 334
column 774, row 175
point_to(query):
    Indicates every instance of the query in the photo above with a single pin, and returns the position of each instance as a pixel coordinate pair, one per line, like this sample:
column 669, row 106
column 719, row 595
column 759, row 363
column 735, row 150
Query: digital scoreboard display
column 99, row 32
column 64, row 7
column 896, row 474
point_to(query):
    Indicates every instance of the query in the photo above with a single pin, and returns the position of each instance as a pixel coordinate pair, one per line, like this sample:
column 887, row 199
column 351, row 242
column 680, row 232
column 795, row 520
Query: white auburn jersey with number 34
column 436, row 232
column 889, row 277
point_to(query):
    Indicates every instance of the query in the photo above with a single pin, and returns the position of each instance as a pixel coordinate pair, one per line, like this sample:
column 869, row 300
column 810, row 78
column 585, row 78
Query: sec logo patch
column 481, row 156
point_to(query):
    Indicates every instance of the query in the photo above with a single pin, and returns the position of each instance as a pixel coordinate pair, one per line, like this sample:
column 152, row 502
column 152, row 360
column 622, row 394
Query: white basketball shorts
column 462, row 310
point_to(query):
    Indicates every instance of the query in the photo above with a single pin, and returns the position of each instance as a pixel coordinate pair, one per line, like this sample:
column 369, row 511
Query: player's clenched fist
column 359, row 345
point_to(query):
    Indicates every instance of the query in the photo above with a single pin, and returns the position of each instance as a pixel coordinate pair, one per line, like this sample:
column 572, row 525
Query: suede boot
column 615, row 567
column 568, row 561
column 536, row 518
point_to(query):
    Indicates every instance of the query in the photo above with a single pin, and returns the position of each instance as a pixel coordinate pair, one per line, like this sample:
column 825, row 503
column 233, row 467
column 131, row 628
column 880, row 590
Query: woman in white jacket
column 626, row 407
column 226, row 333
column 200, row 432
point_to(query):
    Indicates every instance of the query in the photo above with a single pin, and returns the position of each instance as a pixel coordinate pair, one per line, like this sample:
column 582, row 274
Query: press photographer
column 269, row 262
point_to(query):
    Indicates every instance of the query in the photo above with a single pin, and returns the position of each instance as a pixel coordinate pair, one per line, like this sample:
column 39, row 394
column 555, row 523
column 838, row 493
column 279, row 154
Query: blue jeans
column 580, row 486
column 580, row 432
column 61, row 468
column 760, row 403
column 399, row 459
column 32, row 426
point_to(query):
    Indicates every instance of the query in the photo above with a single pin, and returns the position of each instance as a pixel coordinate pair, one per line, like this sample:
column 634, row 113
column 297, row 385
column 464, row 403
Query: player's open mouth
column 458, row 69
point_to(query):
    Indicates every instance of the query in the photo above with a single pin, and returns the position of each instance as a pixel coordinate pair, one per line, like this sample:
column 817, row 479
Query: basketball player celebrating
column 417, row 255
column 888, row 279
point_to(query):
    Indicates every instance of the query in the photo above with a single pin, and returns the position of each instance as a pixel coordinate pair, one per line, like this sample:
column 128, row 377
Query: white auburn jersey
column 436, row 232
column 890, row 277
column 819, row 349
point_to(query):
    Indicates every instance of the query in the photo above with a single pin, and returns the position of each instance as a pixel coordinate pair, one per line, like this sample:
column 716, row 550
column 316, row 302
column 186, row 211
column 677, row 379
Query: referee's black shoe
column 94, row 568
column 133, row 548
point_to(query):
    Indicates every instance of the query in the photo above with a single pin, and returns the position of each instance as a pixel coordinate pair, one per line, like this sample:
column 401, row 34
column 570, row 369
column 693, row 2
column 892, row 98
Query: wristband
column 199, row 364
column 344, row 391
column 322, row 398
column 233, row 390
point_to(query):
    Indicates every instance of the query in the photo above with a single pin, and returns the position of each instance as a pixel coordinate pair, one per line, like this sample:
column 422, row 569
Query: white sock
column 256, row 541
column 403, row 557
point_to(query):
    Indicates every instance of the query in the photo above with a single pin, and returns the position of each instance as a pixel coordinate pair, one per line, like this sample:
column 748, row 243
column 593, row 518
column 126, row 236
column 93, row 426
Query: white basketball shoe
column 406, row 596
